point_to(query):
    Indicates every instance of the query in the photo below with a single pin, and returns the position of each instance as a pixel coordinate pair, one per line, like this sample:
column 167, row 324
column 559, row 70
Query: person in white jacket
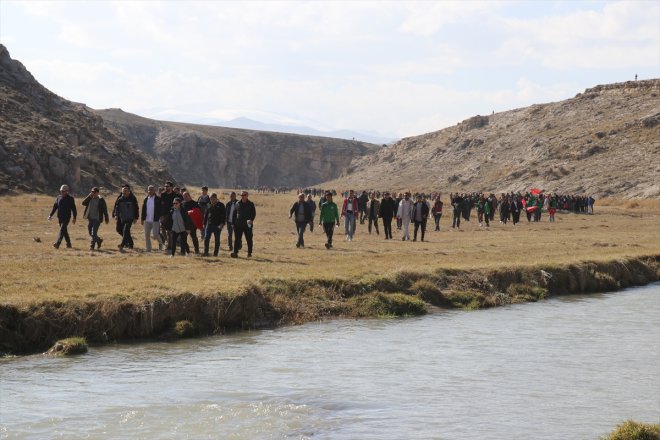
column 404, row 213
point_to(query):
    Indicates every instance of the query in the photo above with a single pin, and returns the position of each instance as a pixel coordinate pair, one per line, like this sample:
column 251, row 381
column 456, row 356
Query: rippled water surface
column 567, row 368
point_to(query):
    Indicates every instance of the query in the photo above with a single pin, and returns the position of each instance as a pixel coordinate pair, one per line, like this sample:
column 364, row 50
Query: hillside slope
column 605, row 141
column 46, row 141
column 232, row 157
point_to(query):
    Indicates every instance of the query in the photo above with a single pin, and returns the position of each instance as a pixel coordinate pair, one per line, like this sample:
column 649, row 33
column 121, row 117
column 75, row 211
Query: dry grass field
column 33, row 271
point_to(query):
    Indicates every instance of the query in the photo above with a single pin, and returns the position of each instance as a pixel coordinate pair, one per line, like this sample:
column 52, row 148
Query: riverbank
column 269, row 303
column 105, row 295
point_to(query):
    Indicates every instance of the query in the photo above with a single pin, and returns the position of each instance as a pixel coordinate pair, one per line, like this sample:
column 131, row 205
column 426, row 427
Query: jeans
column 239, row 231
column 195, row 241
column 329, row 229
column 64, row 233
column 374, row 221
column 184, row 242
column 151, row 229
column 126, row 239
column 93, row 230
column 437, row 217
column 301, row 226
column 216, row 231
column 349, row 223
column 387, row 226
column 417, row 226
column 230, row 234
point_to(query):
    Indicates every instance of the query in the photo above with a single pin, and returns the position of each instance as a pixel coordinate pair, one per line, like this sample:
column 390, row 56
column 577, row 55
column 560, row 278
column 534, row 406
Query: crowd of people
column 170, row 215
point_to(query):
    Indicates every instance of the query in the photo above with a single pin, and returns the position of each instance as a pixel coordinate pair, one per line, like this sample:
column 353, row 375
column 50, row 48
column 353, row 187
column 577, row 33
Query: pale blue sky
column 394, row 68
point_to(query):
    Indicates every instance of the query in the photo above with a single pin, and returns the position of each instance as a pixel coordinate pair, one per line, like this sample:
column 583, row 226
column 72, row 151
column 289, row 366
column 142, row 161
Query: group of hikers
column 170, row 215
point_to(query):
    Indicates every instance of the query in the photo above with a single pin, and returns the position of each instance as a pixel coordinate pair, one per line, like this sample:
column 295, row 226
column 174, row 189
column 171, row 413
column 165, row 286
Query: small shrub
column 184, row 329
column 631, row 430
column 69, row 346
column 386, row 305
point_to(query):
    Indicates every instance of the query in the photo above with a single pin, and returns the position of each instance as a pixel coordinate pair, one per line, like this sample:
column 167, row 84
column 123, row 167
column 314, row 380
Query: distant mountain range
column 252, row 124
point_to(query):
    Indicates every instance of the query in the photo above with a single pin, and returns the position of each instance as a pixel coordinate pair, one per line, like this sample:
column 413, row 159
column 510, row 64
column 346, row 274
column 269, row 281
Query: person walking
column 167, row 201
column 96, row 210
column 437, row 212
column 328, row 218
column 181, row 224
column 150, row 218
column 388, row 208
column 127, row 211
column 65, row 206
column 349, row 211
column 456, row 203
column 311, row 204
column 303, row 216
column 230, row 209
column 404, row 213
column 244, row 214
column 214, row 220
column 195, row 213
column 420, row 214
column 373, row 211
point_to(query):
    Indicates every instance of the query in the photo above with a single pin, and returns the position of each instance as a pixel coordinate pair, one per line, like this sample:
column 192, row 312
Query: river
column 567, row 368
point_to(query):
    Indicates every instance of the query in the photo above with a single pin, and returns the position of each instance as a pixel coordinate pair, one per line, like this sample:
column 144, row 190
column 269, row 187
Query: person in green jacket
column 329, row 217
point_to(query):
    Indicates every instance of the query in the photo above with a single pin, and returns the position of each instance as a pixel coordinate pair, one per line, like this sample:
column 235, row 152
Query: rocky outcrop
column 46, row 141
column 605, row 142
column 230, row 157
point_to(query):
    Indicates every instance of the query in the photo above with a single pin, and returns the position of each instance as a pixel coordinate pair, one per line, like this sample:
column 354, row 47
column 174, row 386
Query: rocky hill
column 605, row 141
column 46, row 141
column 231, row 157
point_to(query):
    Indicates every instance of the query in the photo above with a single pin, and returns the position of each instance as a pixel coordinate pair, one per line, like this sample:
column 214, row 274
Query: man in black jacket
column 230, row 210
column 420, row 214
column 66, row 209
column 96, row 211
column 127, row 211
column 214, row 220
column 303, row 216
column 166, row 200
column 388, row 207
column 152, row 208
column 244, row 214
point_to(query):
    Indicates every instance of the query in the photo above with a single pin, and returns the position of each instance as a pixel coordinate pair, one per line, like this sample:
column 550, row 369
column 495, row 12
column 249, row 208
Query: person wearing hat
column 65, row 206
column 387, row 212
column 96, row 211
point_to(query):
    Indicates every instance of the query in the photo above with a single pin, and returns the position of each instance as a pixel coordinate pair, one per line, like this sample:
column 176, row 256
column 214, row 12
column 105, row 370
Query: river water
column 567, row 368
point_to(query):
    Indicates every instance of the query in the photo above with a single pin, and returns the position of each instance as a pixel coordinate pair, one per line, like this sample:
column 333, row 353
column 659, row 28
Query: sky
column 395, row 69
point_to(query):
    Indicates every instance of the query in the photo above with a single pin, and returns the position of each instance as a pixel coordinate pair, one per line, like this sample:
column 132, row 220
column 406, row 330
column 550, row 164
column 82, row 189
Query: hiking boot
column 249, row 254
column 56, row 245
column 233, row 255
column 327, row 245
column 68, row 246
column 99, row 242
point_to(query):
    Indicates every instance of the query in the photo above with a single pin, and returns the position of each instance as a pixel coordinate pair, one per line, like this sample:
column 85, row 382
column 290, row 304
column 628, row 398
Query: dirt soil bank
column 35, row 327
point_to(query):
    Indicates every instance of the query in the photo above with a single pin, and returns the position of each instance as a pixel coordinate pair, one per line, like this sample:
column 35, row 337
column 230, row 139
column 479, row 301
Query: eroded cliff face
column 605, row 141
column 229, row 157
column 46, row 141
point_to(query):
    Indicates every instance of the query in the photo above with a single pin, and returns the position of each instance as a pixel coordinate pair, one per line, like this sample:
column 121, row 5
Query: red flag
column 535, row 191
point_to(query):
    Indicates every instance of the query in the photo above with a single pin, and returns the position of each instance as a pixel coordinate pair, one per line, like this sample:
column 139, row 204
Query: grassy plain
column 33, row 271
